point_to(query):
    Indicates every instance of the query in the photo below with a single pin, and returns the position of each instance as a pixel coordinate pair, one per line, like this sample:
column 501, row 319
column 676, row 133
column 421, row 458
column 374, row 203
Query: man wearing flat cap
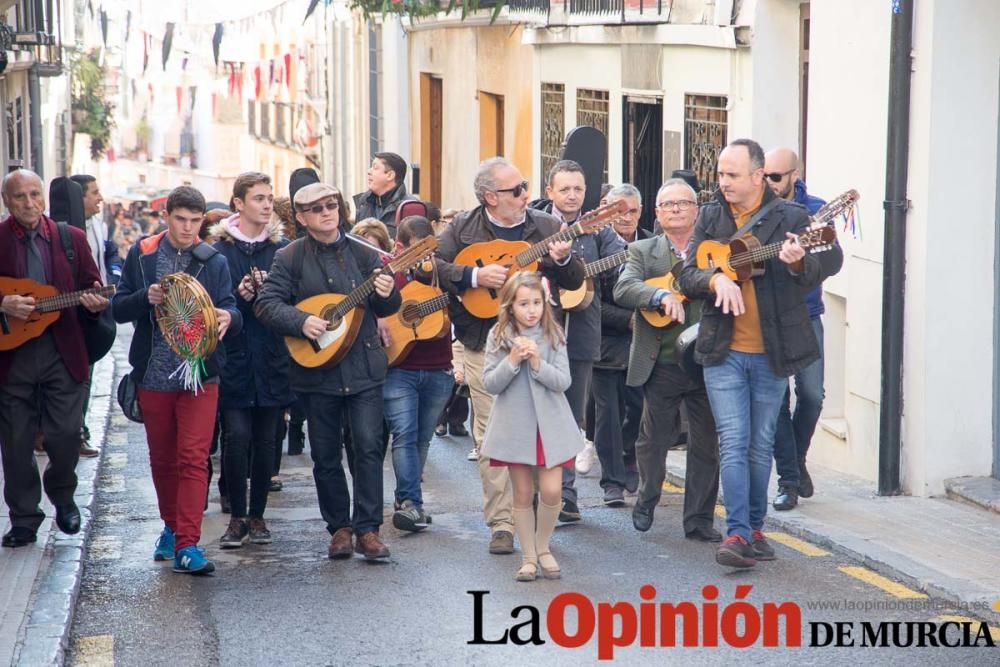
column 326, row 261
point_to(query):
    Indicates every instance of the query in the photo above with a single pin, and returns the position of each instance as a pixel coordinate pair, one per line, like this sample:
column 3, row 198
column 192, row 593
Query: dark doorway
column 642, row 159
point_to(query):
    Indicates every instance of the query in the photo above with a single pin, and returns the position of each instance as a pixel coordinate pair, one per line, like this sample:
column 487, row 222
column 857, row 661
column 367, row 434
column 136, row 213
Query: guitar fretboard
column 424, row 308
column 606, row 264
column 70, row 299
column 408, row 259
column 806, row 241
column 541, row 249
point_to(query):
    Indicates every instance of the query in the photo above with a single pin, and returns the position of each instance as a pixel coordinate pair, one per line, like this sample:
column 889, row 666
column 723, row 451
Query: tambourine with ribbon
column 189, row 324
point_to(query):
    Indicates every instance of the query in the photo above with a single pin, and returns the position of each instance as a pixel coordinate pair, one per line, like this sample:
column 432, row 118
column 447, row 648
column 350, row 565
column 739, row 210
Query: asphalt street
column 287, row 604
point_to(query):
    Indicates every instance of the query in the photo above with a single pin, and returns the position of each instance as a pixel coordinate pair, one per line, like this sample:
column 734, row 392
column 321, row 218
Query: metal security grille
column 592, row 109
column 553, row 125
column 705, row 120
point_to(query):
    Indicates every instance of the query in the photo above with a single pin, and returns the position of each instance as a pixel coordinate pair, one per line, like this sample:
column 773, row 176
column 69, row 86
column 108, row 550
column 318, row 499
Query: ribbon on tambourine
column 189, row 324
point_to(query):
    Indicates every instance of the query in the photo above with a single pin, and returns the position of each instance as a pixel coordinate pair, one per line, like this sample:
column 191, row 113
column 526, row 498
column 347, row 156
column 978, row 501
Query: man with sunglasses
column 795, row 431
column 566, row 190
column 325, row 261
column 503, row 213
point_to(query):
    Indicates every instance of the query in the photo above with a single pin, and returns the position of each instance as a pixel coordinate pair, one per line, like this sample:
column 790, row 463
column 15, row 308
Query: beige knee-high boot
column 524, row 526
column 547, row 517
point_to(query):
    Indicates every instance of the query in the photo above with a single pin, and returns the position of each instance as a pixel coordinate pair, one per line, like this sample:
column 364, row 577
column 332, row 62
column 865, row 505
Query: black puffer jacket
column 367, row 204
column 789, row 340
column 336, row 267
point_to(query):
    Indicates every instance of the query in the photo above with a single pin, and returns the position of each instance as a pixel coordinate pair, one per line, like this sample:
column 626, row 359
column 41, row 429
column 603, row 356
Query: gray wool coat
column 526, row 400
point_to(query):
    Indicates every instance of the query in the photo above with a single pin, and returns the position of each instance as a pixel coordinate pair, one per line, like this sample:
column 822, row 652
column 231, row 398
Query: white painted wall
column 395, row 93
column 773, row 63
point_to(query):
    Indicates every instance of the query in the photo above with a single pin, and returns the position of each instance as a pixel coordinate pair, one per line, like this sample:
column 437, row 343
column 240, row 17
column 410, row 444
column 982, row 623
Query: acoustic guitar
column 422, row 316
column 743, row 258
column 342, row 312
column 655, row 316
column 49, row 304
column 581, row 297
column 483, row 302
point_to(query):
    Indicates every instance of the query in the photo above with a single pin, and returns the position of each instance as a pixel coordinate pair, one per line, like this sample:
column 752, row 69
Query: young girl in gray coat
column 531, row 427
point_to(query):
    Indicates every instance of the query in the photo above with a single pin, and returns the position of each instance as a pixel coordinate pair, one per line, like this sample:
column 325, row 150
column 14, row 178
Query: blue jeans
column 745, row 395
column 413, row 401
column 791, row 442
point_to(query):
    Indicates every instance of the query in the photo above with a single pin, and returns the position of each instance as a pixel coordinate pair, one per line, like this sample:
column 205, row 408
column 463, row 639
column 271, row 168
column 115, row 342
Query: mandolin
column 342, row 312
column 483, row 302
column 743, row 258
column 655, row 316
column 49, row 304
column 423, row 315
column 581, row 297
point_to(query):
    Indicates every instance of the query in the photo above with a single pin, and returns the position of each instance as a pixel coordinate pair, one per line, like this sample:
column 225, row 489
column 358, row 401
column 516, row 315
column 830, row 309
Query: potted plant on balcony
column 91, row 111
column 419, row 8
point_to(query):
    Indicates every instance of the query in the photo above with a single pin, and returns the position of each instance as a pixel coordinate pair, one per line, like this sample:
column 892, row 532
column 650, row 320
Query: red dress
column 539, row 457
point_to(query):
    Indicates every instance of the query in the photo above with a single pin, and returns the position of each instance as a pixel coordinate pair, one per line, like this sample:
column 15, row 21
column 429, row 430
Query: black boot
column 296, row 438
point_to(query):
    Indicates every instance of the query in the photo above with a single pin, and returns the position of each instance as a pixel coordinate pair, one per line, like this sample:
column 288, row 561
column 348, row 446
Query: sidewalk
column 941, row 547
column 41, row 581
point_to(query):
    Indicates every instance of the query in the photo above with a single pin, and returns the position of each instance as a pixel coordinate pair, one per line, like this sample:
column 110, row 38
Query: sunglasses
column 516, row 190
column 319, row 208
column 776, row 176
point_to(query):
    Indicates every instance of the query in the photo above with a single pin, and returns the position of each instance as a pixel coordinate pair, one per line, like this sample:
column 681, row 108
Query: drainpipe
column 35, row 121
column 894, row 259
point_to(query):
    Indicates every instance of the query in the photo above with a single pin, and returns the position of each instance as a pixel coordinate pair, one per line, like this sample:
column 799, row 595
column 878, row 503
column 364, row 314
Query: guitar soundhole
column 329, row 313
column 410, row 314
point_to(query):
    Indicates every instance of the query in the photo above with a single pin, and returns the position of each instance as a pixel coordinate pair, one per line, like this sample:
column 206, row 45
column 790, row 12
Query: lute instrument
column 342, row 312
column 581, row 297
column 423, row 315
column 484, row 302
column 49, row 304
column 655, row 316
column 744, row 257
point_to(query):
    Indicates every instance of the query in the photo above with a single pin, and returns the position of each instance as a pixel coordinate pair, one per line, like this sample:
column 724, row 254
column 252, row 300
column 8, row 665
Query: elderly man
column 53, row 365
column 794, row 432
column 503, row 213
column 653, row 365
column 753, row 335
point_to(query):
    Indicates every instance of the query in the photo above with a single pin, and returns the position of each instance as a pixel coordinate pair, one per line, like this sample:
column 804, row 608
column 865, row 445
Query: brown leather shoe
column 86, row 451
column 341, row 544
column 371, row 546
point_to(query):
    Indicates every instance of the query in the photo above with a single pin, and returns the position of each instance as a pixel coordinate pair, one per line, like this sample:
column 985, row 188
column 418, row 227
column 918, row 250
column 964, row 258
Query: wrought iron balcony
column 592, row 12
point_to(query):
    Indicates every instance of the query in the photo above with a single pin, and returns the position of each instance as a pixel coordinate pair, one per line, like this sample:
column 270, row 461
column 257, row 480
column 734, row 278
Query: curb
column 882, row 561
column 53, row 600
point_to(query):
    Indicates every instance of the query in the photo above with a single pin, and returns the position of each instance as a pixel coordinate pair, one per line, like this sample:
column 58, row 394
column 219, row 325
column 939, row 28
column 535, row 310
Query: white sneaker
column 585, row 459
column 473, row 455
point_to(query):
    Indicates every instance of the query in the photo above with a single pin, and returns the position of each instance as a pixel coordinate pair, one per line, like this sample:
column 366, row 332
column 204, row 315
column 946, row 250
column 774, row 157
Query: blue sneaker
column 191, row 560
column 164, row 546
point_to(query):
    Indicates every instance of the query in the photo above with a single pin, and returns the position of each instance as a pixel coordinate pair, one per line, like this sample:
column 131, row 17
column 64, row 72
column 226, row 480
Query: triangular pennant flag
column 216, row 42
column 168, row 40
column 128, row 23
column 104, row 27
column 312, row 8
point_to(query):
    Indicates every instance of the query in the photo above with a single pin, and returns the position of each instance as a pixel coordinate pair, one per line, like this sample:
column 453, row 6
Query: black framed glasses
column 776, row 176
column 682, row 204
column 317, row 209
column 516, row 190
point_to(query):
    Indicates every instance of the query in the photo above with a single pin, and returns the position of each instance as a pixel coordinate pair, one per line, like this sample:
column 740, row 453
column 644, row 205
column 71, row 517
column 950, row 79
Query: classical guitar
column 744, row 257
column 422, row 316
column 342, row 312
column 49, row 304
column 519, row 256
column 655, row 316
column 581, row 297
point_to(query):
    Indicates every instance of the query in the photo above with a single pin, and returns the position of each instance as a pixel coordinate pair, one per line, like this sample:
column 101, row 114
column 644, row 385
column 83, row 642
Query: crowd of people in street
column 544, row 390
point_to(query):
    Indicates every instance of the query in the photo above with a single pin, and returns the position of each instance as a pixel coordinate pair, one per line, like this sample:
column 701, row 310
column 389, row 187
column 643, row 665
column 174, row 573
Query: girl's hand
column 531, row 353
column 516, row 355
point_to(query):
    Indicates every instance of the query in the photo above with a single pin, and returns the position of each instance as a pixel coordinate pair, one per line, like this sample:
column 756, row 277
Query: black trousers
column 250, row 434
column 456, row 410
column 617, row 414
column 39, row 389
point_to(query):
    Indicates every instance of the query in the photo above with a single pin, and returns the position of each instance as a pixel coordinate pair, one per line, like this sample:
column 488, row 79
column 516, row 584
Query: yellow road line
column 877, row 580
column 720, row 511
column 670, row 488
column 94, row 651
column 797, row 544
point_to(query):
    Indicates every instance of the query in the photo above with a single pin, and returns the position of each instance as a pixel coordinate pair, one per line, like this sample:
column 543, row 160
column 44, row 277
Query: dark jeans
column 39, row 387
column 579, row 388
column 617, row 414
column 667, row 387
column 250, row 435
column 326, row 417
column 795, row 431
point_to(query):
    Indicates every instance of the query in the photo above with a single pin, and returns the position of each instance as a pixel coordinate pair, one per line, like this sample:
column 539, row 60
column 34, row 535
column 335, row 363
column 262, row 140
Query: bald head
column 23, row 196
column 783, row 163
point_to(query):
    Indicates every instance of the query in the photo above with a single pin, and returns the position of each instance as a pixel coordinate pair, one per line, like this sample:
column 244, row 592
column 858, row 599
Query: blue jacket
column 256, row 371
column 130, row 303
column 815, row 297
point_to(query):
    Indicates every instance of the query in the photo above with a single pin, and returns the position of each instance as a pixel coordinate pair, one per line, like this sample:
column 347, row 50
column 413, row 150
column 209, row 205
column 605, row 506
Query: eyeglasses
column 516, row 190
column 776, row 176
column 317, row 209
column 682, row 204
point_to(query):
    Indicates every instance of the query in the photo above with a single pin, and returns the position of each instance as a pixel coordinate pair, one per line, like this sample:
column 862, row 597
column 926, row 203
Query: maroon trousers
column 179, row 429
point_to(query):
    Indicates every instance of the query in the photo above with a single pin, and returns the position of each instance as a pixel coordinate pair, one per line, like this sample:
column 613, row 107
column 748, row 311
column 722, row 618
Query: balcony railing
column 592, row 12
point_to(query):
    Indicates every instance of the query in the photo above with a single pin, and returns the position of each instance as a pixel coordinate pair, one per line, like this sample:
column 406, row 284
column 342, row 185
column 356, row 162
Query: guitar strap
column 755, row 220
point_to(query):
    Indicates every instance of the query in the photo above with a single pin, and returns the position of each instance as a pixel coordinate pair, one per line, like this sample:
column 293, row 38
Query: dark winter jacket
column 305, row 268
column 370, row 205
column 812, row 204
column 474, row 227
column 616, row 335
column 256, row 372
column 789, row 340
column 131, row 304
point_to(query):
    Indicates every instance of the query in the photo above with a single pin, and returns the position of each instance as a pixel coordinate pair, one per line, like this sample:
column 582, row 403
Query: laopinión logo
column 738, row 624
